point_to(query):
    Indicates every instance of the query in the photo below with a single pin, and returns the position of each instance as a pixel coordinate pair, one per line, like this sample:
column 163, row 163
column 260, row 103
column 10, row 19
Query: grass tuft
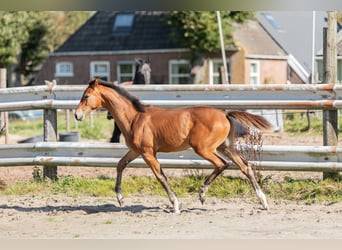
column 306, row 190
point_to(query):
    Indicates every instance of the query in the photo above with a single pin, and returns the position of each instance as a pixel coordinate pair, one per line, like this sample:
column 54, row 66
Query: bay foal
column 149, row 130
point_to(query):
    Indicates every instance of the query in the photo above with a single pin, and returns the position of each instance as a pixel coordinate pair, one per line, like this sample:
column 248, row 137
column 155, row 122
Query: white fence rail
column 280, row 158
column 292, row 158
column 274, row 96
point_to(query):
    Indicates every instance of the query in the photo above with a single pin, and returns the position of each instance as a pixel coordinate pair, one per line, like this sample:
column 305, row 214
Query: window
column 125, row 71
column 123, row 23
column 254, row 75
column 179, row 72
column 100, row 69
column 64, row 69
column 269, row 17
column 216, row 77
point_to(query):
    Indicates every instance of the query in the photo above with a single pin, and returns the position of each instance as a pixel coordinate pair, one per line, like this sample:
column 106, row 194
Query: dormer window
column 123, row 23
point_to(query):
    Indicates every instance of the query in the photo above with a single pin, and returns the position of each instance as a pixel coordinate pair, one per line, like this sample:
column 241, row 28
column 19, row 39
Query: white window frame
column 94, row 74
column 213, row 74
column 254, row 74
column 118, row 70
column 61, row 71
column 171, row 75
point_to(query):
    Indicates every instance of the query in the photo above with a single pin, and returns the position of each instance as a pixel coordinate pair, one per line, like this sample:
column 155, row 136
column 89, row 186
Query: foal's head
column 91, row 100
column 142, row 72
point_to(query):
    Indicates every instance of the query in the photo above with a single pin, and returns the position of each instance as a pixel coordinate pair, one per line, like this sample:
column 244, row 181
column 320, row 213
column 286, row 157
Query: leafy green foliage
column 198, row 30
column 27, row 37
column 12, row 33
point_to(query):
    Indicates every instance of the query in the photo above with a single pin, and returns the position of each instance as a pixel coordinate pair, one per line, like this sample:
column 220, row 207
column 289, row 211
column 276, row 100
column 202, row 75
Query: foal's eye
column 86, row 97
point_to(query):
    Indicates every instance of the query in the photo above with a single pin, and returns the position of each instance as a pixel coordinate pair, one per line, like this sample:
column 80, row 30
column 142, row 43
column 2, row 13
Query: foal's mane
column 137, row 104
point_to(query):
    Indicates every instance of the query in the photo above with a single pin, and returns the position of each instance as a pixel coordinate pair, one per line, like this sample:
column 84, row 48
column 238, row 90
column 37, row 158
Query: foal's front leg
column 127, row 158
column 152, row 161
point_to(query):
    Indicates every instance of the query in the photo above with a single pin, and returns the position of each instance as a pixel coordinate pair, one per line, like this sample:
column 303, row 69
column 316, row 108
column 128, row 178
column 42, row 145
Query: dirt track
column 150, row 217
column 47, row 216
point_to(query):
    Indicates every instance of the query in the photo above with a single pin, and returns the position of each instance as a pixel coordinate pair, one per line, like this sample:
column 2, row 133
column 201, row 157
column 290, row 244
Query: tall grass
column 225, row 187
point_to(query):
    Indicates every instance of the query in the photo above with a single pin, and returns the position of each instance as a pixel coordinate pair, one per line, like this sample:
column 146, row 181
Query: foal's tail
column 244, row 120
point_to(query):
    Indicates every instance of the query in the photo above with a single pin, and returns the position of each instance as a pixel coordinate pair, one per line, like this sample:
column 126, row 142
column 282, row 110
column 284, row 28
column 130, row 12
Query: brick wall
column 271, row 71
column 81, row 67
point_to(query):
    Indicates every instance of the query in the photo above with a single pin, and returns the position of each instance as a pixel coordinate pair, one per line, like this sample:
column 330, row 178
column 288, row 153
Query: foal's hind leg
column 229, row 150
column 205, row 185
column 220, row 165
column 127, row 158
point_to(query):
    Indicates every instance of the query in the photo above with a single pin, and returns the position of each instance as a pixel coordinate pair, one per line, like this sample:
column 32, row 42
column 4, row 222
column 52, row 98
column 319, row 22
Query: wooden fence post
column 50, row 135
column 330, row 117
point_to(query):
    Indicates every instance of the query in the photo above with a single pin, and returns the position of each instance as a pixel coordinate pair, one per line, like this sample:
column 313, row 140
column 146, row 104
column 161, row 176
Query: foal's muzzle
column 79, row 115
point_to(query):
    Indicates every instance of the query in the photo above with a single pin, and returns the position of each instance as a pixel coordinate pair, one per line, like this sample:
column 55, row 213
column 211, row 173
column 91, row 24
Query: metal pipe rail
column 271, row 96
column 239, row 96
column 279, row 158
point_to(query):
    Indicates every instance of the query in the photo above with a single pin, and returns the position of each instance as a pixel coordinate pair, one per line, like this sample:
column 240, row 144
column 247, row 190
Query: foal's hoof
column 176, row 211
column 120, row 200
column 202, row 198
column 265, row 207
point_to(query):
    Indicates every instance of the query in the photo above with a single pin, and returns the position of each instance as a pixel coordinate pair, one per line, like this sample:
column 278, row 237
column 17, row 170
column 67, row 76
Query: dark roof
column 255, row 40
column 149, row 31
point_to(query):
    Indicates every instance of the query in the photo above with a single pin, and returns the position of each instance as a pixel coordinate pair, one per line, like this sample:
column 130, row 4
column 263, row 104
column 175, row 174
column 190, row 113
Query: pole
column 50, row 135
column 222, row 47
column 330, row 131
column 4, row 115
column 313, row 47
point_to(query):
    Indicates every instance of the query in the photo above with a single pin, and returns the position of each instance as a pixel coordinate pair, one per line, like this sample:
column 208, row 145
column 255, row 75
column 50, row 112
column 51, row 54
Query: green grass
column 296, row 124
column 101, row 128
column 306, row 190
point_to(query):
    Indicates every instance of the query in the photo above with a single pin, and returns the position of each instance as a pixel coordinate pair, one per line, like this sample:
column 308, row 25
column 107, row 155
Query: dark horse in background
column 149, row 130
column 142, row 76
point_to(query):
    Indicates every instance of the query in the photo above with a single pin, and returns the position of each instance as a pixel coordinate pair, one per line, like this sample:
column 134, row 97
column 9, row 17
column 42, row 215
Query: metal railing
column 280, row 158
column 324, row 97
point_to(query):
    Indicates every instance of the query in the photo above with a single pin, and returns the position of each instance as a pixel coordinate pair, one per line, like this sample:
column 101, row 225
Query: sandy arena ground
column 49, row 217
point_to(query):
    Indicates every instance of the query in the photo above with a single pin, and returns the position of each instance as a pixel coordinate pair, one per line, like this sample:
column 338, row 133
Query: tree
column 27, row 37
column 35, row 49
column 12, row 34
column 198, row 30
column 47, row 31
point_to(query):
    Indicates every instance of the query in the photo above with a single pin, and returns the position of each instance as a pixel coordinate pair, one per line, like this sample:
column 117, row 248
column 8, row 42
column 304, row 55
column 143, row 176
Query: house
column 300, row 33
column 108, row 43
column 319, row 59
